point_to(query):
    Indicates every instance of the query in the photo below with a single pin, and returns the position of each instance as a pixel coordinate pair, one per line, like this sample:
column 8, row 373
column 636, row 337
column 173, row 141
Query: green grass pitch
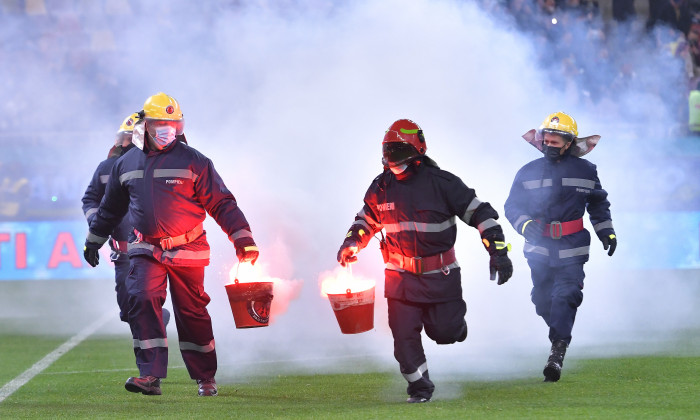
column 87, row 382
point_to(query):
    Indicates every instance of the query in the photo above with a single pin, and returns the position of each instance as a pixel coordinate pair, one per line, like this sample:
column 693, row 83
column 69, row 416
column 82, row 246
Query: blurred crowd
column 72, row 46
column 597, row 58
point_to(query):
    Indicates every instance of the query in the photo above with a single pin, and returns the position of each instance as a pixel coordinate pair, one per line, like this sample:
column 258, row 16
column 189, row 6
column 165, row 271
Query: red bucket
column 250, row 303
column 354, row 311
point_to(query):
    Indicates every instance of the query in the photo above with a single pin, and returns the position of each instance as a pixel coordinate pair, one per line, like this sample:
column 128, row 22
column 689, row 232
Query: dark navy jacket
column 168, row 193
column 96, row 190
column 561, row 191
column 419, row 215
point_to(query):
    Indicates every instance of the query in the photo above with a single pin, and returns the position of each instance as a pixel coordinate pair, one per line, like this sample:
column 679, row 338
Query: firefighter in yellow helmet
column 118, row 237
column 546, row 205
column 168, row 189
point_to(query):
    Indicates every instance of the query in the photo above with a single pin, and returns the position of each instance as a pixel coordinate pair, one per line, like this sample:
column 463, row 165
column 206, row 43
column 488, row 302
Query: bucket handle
column 349, row 269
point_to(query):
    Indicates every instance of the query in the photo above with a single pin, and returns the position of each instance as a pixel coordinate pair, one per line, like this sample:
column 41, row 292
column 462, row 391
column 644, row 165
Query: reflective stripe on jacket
column 562, row 192
column 419, row 215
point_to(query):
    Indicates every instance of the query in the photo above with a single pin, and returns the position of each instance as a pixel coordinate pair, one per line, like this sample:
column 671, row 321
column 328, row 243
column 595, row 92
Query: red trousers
column 146, row 286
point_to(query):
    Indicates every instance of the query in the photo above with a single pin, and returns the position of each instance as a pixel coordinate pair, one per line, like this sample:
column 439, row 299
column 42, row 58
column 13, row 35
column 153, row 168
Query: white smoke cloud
column 291, row 102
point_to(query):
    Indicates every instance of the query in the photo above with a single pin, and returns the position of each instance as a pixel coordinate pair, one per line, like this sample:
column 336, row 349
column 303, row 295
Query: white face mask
column 398, row 169
column 164, row 136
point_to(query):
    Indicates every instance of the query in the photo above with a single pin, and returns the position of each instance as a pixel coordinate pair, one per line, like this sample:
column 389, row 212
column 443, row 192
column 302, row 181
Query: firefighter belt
column 170, row 242
column 556, row 230
column 420, row 265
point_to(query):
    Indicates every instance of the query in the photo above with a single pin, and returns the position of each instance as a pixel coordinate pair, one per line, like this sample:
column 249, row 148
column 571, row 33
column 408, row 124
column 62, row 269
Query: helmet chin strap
column 398, row 168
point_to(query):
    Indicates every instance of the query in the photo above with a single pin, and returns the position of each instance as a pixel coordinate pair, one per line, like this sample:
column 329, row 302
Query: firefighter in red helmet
column 417, row 204
column 118, row 237
column 167, row 189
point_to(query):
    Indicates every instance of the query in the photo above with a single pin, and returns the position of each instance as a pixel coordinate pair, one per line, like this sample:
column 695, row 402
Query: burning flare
column 341, row 280
column 284, row 291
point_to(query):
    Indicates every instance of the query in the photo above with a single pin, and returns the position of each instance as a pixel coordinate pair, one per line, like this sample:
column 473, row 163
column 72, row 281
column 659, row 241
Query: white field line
column 15, row 384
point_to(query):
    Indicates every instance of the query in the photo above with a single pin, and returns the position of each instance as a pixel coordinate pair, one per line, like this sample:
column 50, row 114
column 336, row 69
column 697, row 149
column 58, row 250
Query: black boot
column 552, row 370
column 147, row 385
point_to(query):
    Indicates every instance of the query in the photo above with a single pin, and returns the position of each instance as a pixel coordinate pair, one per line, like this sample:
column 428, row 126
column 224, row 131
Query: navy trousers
column 557, row 293
column 443, row 322
column 121, row 272
column 146, row 285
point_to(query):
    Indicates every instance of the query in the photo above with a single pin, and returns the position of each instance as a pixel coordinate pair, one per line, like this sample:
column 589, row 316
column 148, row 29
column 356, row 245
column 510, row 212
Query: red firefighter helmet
column 402, row 142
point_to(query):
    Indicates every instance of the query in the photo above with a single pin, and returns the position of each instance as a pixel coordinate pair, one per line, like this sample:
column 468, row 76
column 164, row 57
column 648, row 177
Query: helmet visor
column 397, row 153
column 123, row 138
column 565, row 135
column 152, row 125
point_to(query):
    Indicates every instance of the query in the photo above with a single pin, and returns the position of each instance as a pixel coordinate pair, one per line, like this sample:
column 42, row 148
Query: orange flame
column 247, row 273
column 340, row 280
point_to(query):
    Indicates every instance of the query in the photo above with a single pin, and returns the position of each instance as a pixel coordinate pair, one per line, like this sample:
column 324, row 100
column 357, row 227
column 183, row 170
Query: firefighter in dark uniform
column 167, row 188
column 546, row 205
column 418, row 204
column 119, row 236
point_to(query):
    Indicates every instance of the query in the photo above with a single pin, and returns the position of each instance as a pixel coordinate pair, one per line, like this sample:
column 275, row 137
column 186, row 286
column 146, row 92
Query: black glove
column 347, row 253
column 91, row 254
column 609, row 241
column 499, row 262
column 533, row 231
column 246, row 250
column 248, row 253
column 502, row 265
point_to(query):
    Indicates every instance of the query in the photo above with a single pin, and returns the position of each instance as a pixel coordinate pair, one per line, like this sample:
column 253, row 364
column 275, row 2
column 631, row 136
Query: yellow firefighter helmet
column 129, row 122
column 163, row 107
column 560, row 123
column 124, row 135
